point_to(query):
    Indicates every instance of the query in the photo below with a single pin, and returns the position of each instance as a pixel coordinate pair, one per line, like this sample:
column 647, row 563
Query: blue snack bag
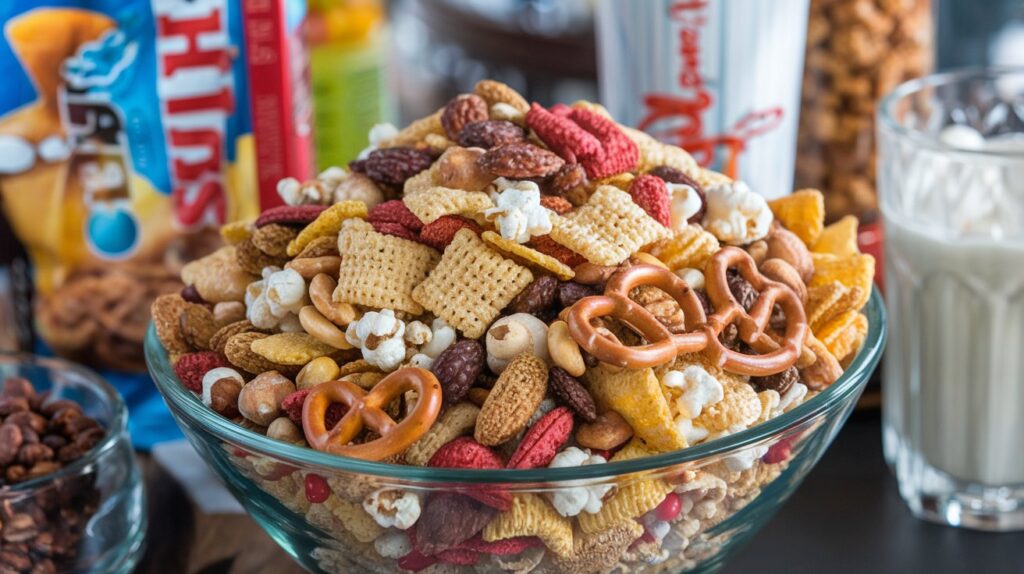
column 125, row 141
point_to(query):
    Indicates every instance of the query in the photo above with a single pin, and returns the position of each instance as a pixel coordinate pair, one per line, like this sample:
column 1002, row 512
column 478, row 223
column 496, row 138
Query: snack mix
column 501, row 285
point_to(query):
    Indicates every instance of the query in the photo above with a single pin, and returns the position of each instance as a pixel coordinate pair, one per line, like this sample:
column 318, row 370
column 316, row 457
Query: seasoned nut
column 566, row 179
column 18, row 387
column 321, row 329
column 319, row 370
column 779, row 270
column 571, row 292
column 538, row 297
column 515, row 334
column 457, row 367
column 460, row 111
column 564, row 350
column 321, row 290
column 228, row 312
column 221, row 387
column 478, row 395
column 515, row 397
column 608, row 431
column 392, row 166
column 572, row 393
column 10, row 405
column 30, row 454
column 758, row 251
column 284, row 430
column 784, row 244
column 309, row 267
column 643, row 258
column 490, row 133
column 457, row 168
column 10, row 443
column 520, row 160
column 260, row 399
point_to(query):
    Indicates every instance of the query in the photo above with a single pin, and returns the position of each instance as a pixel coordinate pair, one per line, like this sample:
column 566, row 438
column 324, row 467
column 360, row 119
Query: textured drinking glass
column 951, row 184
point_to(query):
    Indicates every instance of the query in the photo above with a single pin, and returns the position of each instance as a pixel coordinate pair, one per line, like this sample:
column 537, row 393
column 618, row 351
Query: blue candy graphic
column 112, row 231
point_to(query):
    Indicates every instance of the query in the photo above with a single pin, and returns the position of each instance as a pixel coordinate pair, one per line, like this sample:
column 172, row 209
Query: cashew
column 514, row 334
column 563, row 349
column 781, row 271
column 643, row 258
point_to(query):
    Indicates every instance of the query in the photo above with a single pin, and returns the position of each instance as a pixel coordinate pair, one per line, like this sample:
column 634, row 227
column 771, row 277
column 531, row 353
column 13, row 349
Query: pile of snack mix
column 500, row 285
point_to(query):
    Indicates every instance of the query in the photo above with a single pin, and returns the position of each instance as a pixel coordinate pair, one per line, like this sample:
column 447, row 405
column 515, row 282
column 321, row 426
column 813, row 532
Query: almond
column 515, row 397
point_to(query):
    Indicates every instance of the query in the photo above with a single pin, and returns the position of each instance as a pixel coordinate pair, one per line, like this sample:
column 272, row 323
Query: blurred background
column 357, row 63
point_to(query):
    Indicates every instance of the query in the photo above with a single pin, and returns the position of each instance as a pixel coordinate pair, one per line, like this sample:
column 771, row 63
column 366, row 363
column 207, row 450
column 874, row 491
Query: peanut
column 607, row 432
column 319, row 370
column 564, row 350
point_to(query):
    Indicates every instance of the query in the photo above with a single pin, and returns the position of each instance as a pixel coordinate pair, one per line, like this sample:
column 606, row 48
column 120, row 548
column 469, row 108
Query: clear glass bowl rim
column 888, row 122
column 184, row 402
column 115, row 429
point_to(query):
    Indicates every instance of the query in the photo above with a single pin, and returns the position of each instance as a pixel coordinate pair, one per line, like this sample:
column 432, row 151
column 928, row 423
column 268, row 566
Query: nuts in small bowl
column 70, row 491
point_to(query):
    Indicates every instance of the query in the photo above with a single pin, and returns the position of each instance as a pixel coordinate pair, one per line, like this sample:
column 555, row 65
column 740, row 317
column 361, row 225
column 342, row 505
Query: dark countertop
column 848, row 517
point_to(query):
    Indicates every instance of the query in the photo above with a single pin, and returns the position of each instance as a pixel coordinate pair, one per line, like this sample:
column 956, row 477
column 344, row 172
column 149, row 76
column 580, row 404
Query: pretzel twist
column 366, row 410
column 702, row 332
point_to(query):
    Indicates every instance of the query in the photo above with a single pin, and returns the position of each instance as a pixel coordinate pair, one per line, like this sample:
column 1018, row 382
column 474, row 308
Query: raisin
column 779, row 382
column 741, row 289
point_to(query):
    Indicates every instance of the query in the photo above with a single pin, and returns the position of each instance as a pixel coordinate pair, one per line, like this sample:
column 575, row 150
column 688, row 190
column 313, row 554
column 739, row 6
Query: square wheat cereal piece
column 636, row 395
column 690, row 246
column 608, row 228
column 380, row 271
column 471, row 285
column 434, row 202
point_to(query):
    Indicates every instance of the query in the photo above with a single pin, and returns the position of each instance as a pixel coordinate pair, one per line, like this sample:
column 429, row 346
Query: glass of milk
column 951, row 188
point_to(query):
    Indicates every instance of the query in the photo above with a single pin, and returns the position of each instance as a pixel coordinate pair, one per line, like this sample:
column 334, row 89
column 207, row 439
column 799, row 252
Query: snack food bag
column 125, row 141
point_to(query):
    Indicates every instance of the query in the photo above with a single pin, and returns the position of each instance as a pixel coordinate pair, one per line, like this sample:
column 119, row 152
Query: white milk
column 954, row 371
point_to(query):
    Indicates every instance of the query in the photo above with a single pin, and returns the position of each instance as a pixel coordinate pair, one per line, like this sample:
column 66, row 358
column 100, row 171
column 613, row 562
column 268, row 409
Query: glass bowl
column 89, row 516
column 312, row 503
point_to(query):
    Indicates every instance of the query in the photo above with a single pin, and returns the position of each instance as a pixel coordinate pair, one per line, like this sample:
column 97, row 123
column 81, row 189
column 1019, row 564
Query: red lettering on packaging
column 195, row 111
column 683, row 114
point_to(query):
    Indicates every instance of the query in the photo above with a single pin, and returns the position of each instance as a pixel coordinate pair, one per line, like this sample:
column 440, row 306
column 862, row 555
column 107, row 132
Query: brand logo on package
column 183, row 154
column 197, row 97
column 100, row 159
column 679, row 118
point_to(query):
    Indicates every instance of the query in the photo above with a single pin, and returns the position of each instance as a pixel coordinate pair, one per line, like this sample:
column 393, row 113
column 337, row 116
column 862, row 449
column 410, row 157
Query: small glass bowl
column 311, row 502
column 89, row 516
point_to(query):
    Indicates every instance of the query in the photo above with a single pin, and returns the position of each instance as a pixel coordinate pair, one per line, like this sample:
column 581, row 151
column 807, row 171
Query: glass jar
column 857, row 51
column 90, row 515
